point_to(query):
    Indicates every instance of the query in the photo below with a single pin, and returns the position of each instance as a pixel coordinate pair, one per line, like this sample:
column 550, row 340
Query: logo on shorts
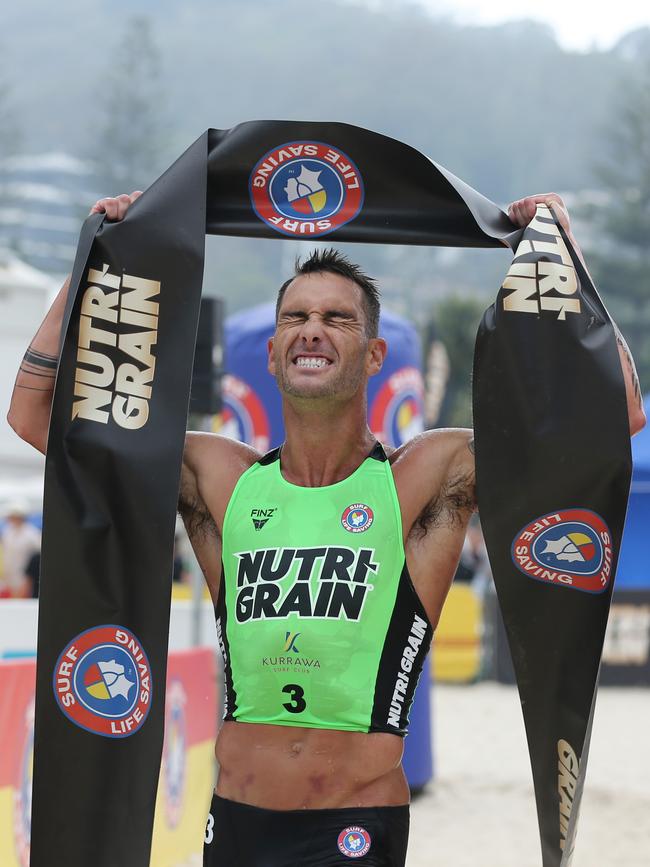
column 354, row 842
column 572, row 548
column 102, row 682
column 305, row 188
column 357, row 518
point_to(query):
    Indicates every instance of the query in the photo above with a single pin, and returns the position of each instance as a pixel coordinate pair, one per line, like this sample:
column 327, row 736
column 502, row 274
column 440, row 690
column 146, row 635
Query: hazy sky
column 578, row 24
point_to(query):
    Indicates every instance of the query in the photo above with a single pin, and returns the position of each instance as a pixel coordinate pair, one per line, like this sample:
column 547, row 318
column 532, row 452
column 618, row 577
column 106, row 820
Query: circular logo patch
column 102, row 682
column 354, row 842
column 571, row 548
column 357, row 518
column 244, row 417
column 306, row 188
column 397, row 412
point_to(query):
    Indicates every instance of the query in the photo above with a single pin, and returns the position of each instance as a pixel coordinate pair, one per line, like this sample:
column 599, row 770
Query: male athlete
column 337, row 559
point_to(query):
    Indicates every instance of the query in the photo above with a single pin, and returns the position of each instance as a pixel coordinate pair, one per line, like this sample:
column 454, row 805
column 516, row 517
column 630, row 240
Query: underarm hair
column 39, row 364
column 198, row 521
column 450, row 508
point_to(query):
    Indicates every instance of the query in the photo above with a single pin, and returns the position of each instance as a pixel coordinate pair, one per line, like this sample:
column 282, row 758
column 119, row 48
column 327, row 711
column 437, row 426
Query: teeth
column 304, row 361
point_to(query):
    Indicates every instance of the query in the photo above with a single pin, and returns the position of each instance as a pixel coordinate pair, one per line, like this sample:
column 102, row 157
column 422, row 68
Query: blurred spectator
column 179, row 573
column 20, row 541
column 474, row 566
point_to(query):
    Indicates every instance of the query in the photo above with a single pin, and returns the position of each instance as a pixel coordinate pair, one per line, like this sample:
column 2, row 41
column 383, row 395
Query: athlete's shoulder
column 216, row 455
column 445, row 446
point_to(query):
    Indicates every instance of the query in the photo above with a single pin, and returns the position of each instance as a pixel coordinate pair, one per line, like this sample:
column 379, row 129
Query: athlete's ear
column 377, row 350
column 271, row 362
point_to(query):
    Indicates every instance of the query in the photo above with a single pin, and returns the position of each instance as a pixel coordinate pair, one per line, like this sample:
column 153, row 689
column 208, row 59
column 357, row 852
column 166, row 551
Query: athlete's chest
column 310, row 552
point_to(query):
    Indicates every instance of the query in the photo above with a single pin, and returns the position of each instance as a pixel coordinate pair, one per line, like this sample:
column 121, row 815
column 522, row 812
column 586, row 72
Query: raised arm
column 522, row 212
column 31, row 401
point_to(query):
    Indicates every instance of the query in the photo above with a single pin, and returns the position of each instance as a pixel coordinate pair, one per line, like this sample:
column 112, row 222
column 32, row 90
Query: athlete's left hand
column 522, row 211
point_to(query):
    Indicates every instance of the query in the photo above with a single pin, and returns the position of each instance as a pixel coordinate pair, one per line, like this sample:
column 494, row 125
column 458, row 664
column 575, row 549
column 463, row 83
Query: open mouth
column 311, row 362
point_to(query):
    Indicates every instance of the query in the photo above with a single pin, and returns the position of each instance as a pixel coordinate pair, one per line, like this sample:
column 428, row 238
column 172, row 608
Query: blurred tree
column 10, row 134
column 130, row 147
column 456, row 319
column 620, row 265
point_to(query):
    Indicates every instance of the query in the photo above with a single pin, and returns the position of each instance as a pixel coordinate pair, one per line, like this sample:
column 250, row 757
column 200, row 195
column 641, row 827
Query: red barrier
column 187, row 771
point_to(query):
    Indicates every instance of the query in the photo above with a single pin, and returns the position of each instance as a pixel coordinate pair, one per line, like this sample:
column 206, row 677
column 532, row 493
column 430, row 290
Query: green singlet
column 317, row 618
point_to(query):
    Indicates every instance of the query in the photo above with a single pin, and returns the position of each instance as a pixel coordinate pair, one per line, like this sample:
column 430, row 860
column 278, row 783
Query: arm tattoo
column 631, row 368
column 41, row 365
column 470, row 446
column 450, row 507
column 40, row 359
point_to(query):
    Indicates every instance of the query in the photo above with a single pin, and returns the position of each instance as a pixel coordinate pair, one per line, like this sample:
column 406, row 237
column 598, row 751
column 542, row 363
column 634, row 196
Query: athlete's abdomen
column 286, row 768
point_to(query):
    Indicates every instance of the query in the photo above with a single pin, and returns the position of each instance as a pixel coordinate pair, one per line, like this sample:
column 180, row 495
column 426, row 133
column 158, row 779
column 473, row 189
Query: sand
column 480, row 812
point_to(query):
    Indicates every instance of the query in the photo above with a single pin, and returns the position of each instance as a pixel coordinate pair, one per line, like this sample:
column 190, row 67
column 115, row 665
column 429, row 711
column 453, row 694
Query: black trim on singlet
column 377, row 454
column 393, row 662
column 221, row 617
column 270, row 457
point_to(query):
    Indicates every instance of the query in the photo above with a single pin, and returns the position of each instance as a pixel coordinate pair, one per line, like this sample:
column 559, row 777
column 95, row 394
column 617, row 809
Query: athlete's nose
column 312, row 330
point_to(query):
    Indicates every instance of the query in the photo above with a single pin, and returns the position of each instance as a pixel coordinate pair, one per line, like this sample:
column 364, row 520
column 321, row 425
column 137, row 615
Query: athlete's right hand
column 115, row 208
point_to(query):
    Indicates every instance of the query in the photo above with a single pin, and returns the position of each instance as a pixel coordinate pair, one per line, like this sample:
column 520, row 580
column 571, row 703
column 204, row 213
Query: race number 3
column 297, row 703
column 209, row 830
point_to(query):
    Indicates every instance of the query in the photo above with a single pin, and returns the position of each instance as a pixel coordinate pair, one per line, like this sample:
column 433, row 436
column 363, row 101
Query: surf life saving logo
column 354, row 842
column 244, row 417
column 306, row 188
column 570, row 548
column 174, row 758
column 102, row 682
column 357, row 518
column 397, row 412
column 23, row 790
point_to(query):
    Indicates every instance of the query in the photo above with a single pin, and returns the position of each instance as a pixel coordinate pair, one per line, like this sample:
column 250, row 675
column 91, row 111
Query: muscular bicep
column 201, row 529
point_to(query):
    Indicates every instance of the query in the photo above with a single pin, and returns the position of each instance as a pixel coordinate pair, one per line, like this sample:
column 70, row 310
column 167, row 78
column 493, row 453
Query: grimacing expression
column 320, row 348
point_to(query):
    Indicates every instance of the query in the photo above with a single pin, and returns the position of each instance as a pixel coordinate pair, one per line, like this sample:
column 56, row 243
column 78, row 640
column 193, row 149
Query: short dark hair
column 332, row 262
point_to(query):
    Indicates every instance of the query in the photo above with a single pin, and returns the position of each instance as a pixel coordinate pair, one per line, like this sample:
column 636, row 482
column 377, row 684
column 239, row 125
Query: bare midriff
column 291, row 768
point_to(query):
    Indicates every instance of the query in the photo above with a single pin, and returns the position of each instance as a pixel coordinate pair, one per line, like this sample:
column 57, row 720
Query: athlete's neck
column 324, row 448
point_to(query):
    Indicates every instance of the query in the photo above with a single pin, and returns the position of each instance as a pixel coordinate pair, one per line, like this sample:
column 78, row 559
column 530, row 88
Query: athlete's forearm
column 31, row 401
column 636, row 412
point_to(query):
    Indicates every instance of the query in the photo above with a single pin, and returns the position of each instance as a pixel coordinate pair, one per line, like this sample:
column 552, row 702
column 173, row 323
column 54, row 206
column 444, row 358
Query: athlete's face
column 320, row 348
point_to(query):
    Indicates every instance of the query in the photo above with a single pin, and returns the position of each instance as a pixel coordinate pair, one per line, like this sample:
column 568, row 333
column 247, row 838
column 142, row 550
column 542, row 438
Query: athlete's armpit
column 199, row 523
column 450, row 508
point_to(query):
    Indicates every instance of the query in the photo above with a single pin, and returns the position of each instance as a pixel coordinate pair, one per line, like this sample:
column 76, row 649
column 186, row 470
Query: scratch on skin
column 317, row 783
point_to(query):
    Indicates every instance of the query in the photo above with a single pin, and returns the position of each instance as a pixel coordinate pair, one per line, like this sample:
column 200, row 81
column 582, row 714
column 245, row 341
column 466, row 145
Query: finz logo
column 357, row 518
column 570, row 548
column 102, row 682
column 354, row 842
column 260, row 517
column 290, row 642
column 306, row 188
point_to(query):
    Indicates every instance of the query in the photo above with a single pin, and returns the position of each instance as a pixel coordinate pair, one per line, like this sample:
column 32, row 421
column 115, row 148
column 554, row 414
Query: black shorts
column 238, row 835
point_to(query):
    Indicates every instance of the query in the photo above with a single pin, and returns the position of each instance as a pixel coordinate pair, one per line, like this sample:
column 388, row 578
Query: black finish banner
column 553, row 474
column 116, row 441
